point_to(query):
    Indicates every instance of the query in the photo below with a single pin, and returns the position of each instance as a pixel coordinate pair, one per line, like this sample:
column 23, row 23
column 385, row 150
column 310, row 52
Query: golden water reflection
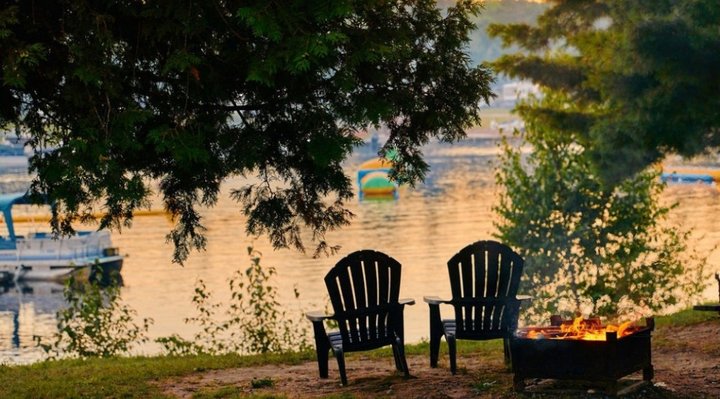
column 422, row 230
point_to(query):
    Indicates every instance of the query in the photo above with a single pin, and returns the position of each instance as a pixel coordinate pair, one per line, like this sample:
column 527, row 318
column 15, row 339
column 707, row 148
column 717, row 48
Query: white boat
column 39, row 256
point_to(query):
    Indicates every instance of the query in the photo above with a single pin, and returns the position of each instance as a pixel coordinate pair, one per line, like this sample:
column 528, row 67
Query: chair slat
column 384, row 295
column 334, row 294
column 371, row 284
column 463, row 262
column 498, row 311
column 478, row 254
column 348, row 298
column 359, row 289
column 505, row 275
column 383, row 285
column 454, row 272
column 517, row 267
column 506, row 262
column 395, row 278
column 467, row 275
column 493, row 255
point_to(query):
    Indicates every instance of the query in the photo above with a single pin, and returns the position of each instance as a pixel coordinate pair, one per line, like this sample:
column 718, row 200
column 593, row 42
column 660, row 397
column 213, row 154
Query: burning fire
column 581, row 329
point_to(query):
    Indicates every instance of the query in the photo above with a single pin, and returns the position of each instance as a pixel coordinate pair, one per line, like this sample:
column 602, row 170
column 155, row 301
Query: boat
column 374, row 180
column 13, row 154
column 40, row 256
column 709, row 176
column 687, row 178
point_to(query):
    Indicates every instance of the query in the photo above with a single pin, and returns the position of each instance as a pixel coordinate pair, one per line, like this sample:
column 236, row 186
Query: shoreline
column 686, row 355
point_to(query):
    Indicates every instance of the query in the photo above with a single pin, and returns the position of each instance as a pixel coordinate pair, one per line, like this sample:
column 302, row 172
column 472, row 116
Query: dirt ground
column 686, row 361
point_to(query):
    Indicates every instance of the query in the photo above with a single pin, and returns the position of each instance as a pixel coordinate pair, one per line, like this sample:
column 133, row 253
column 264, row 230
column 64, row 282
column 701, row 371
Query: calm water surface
column 422, row 230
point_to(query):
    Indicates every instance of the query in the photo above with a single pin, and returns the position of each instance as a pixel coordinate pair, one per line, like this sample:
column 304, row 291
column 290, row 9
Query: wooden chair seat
column 336, row 342
column 450, row 328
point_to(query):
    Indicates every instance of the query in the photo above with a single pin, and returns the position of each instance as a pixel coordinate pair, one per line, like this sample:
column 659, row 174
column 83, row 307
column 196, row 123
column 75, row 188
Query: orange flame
column 581, row 329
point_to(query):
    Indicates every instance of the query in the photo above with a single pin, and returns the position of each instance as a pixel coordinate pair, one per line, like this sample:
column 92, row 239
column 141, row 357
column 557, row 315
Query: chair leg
column 321, row 348
column 436, row 332
column 322, row 358
column 506, row 350
column 399, row 347
column 434, row 350
column 340, row 356
column 396, row 355
column 452, row 350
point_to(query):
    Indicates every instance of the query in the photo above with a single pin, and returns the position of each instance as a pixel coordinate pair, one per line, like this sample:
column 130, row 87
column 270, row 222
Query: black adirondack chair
column 484, row 278
column 364, row 288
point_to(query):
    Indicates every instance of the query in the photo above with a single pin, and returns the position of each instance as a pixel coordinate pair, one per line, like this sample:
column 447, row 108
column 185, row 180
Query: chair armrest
column 406, row 301
column 317, row 315
column 523, row 298
column 434, row 300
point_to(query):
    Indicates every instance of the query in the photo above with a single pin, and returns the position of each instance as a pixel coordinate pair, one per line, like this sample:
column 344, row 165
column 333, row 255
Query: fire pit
column 582, row 350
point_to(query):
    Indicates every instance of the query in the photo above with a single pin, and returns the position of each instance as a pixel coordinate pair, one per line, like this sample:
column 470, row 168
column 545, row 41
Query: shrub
column 253, row 322
column 95, row 323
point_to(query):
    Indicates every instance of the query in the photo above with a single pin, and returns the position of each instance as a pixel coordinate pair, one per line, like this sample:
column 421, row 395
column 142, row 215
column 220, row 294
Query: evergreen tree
column 589, row 248
column 583, row 208
column 646, row 73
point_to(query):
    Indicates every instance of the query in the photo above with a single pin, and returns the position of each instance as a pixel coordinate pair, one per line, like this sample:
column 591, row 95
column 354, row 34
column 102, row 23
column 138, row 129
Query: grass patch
column 119, row 377
column 257, row 383
column 483, row 386
column 219, row 393
column 136, row 377
column 423, row 349
column 685, row 317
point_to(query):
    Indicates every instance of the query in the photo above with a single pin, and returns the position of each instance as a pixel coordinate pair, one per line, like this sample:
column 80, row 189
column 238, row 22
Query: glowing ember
column 581, row 329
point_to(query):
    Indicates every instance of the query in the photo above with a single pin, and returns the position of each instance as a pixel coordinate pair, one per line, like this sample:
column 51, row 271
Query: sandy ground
column 686, row 361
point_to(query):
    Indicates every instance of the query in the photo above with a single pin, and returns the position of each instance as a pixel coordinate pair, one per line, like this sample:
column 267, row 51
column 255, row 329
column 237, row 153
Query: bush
column 253, row 320
column 95, row 324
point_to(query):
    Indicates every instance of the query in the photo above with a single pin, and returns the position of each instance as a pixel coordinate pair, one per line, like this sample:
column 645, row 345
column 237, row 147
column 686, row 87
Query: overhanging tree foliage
column 646, row 73
column 188, row 93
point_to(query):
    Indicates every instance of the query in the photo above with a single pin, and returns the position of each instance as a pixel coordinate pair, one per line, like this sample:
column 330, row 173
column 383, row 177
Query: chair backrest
column 364, row 288
column 484, row 278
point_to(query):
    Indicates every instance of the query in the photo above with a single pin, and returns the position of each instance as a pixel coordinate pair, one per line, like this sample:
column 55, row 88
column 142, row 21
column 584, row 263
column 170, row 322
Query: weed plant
column 251, row 323
column 95, row 323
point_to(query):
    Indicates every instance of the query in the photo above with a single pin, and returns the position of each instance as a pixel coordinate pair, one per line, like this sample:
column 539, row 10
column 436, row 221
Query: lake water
column 422, row 230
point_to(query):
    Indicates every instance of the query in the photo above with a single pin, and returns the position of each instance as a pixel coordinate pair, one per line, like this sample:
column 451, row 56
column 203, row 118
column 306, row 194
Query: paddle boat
column 374, row 181
column 40, row 256
column 690, row 175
